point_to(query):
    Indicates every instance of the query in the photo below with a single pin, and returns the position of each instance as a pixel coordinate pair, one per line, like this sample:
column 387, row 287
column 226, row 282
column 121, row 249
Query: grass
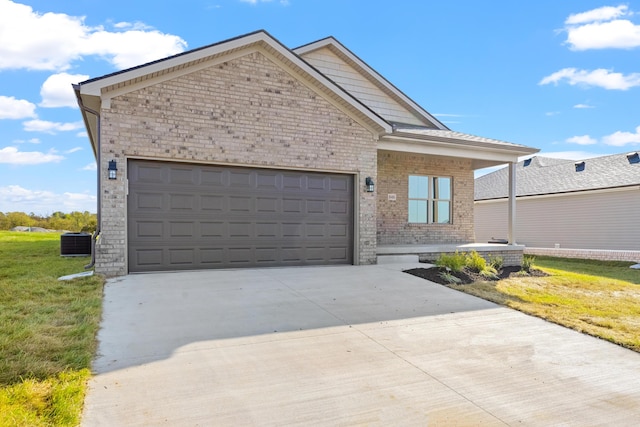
column 599, row 298
column 47, row 331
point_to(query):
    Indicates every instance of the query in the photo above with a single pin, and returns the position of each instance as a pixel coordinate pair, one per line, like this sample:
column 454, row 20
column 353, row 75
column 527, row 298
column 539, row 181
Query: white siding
column 594, row 220
column 360, row 87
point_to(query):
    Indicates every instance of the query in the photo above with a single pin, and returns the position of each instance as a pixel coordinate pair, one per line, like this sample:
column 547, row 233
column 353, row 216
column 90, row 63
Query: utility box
column 75, row 244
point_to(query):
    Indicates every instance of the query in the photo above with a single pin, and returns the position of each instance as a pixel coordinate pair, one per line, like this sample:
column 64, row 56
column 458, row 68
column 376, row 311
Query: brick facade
column 393, row 227
column 247, row 111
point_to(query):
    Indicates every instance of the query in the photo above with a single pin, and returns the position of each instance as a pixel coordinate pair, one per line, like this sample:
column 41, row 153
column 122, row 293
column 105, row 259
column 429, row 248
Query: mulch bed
column 466, row 276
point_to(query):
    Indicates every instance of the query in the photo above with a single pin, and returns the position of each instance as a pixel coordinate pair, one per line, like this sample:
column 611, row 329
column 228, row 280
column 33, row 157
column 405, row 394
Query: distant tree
column 74, row 221
column 15, row 219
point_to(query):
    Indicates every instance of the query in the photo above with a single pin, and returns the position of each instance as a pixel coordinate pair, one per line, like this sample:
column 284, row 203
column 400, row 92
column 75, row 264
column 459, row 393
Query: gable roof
column 430, row 136
column 544, row 175
column 97, row 92
column 361, row 68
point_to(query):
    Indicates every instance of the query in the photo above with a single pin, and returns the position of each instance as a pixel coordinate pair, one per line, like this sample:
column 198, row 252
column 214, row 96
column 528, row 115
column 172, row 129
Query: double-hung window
column 429, row 199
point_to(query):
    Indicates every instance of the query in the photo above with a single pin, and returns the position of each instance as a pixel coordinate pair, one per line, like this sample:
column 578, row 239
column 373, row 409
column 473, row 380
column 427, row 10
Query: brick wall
column 393, row 171
column 247, row 111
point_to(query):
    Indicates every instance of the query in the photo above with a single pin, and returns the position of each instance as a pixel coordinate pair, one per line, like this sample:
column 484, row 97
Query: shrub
column 496, row 262
column 476, row 262
column 449, row 278
column 490, row 273
column 527, row 263
column 454, row 262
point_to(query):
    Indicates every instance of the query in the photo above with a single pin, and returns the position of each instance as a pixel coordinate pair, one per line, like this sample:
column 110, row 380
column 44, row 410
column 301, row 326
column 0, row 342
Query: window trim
column 431, row 200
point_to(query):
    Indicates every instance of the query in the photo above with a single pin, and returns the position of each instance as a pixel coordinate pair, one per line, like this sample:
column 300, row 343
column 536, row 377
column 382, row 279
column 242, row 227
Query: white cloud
column 605, row 13
column 53, row 41
column 50, row 127
column 552, row 113
column 583, row 106
column 11, row 108
column 602, row 29
column 28, row 141
column 16, row 198
column 73, row 150
column 133, row 47
column 282, row 2
column 12, row 156
column 91, row 167
column 82, row 134
column 582, row 140
column 620, row 139
column 57, row 91
column 600, row 78
column 132, row 26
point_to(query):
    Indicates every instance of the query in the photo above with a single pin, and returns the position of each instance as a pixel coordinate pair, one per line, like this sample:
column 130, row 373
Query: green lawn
column 47, row 331
column 600, row 298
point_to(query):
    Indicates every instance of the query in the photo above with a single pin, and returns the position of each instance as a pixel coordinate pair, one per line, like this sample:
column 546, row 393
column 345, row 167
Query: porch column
column 512, row 204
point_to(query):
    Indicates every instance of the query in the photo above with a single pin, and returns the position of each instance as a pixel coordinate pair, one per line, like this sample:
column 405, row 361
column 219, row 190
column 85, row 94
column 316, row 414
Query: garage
column 184, row 216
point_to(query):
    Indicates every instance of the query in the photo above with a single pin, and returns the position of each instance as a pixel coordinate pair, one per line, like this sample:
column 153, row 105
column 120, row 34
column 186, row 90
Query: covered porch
column 448, row 153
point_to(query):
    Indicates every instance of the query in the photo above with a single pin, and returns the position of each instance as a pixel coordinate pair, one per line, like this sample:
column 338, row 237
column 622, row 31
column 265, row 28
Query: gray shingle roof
column 544, row 175
column 446, row 135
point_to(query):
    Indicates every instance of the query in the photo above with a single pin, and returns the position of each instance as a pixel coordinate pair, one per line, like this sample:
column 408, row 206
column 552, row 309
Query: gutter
column 96, row 234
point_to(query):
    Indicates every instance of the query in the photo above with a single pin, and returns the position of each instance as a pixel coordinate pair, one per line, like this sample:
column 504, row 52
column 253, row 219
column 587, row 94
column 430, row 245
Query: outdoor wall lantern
column 113, row 170
column 369, row 184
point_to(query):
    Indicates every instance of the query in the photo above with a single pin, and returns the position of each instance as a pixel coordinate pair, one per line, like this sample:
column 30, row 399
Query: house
column 247, row 153
column 592, row 204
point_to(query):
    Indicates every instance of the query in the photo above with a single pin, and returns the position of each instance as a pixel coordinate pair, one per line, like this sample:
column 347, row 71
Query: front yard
column 47, row 331
column 599, row 298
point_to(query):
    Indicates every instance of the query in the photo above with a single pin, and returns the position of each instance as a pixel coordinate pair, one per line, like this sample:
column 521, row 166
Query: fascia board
column 498, row 152
column 448, row 150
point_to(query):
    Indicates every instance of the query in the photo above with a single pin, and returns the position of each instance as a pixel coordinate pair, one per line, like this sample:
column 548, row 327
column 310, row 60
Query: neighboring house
column 248, row 153
column 590, row 204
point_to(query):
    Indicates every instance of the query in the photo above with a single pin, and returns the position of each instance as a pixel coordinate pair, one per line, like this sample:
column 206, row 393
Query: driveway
column 349, row 345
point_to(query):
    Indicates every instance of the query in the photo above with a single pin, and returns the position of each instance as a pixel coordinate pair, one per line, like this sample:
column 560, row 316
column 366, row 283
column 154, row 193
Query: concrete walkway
column 348, row 345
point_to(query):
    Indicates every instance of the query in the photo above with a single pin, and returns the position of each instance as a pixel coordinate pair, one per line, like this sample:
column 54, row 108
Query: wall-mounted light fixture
column 113, row 169
column 368, row 182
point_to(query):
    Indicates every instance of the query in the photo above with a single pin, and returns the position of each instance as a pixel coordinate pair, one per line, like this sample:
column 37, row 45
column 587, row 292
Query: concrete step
column 398, row 259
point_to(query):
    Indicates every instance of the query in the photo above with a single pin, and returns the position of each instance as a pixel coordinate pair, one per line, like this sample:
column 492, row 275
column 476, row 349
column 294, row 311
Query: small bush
column 496, row 262
column 527, row 263
column 454, row 262
column 476, row 262
column 450, row 278
column 490, row 273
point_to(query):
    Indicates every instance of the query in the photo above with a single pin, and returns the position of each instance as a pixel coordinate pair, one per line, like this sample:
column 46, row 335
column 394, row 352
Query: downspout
column 96, row 234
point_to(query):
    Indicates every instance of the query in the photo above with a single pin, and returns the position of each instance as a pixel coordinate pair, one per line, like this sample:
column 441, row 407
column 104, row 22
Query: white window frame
column 425, row 204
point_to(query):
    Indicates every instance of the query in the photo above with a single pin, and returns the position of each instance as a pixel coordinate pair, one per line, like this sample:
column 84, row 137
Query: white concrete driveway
column 349, row 345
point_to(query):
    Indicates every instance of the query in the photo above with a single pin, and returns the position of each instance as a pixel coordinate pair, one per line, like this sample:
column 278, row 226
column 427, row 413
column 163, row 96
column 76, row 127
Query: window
column 429, row 199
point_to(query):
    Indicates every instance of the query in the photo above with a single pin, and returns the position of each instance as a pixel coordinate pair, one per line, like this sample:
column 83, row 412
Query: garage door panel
column 212, row 203
column 149, row 173
column 149, row 201
column 212, row 177
column 197, row 216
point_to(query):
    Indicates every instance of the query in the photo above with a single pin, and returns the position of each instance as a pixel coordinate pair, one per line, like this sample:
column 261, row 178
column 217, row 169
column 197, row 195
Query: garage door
column 185, row 217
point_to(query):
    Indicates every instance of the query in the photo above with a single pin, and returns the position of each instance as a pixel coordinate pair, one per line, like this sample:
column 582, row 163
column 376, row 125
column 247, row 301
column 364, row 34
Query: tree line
column 74, row 221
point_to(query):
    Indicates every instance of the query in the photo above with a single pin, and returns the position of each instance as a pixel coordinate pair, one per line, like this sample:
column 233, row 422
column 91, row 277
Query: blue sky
column 563, row 76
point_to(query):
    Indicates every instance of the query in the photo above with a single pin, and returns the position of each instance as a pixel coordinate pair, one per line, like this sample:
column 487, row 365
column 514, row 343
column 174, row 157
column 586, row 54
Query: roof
column 434, row 138
column 544, row 175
